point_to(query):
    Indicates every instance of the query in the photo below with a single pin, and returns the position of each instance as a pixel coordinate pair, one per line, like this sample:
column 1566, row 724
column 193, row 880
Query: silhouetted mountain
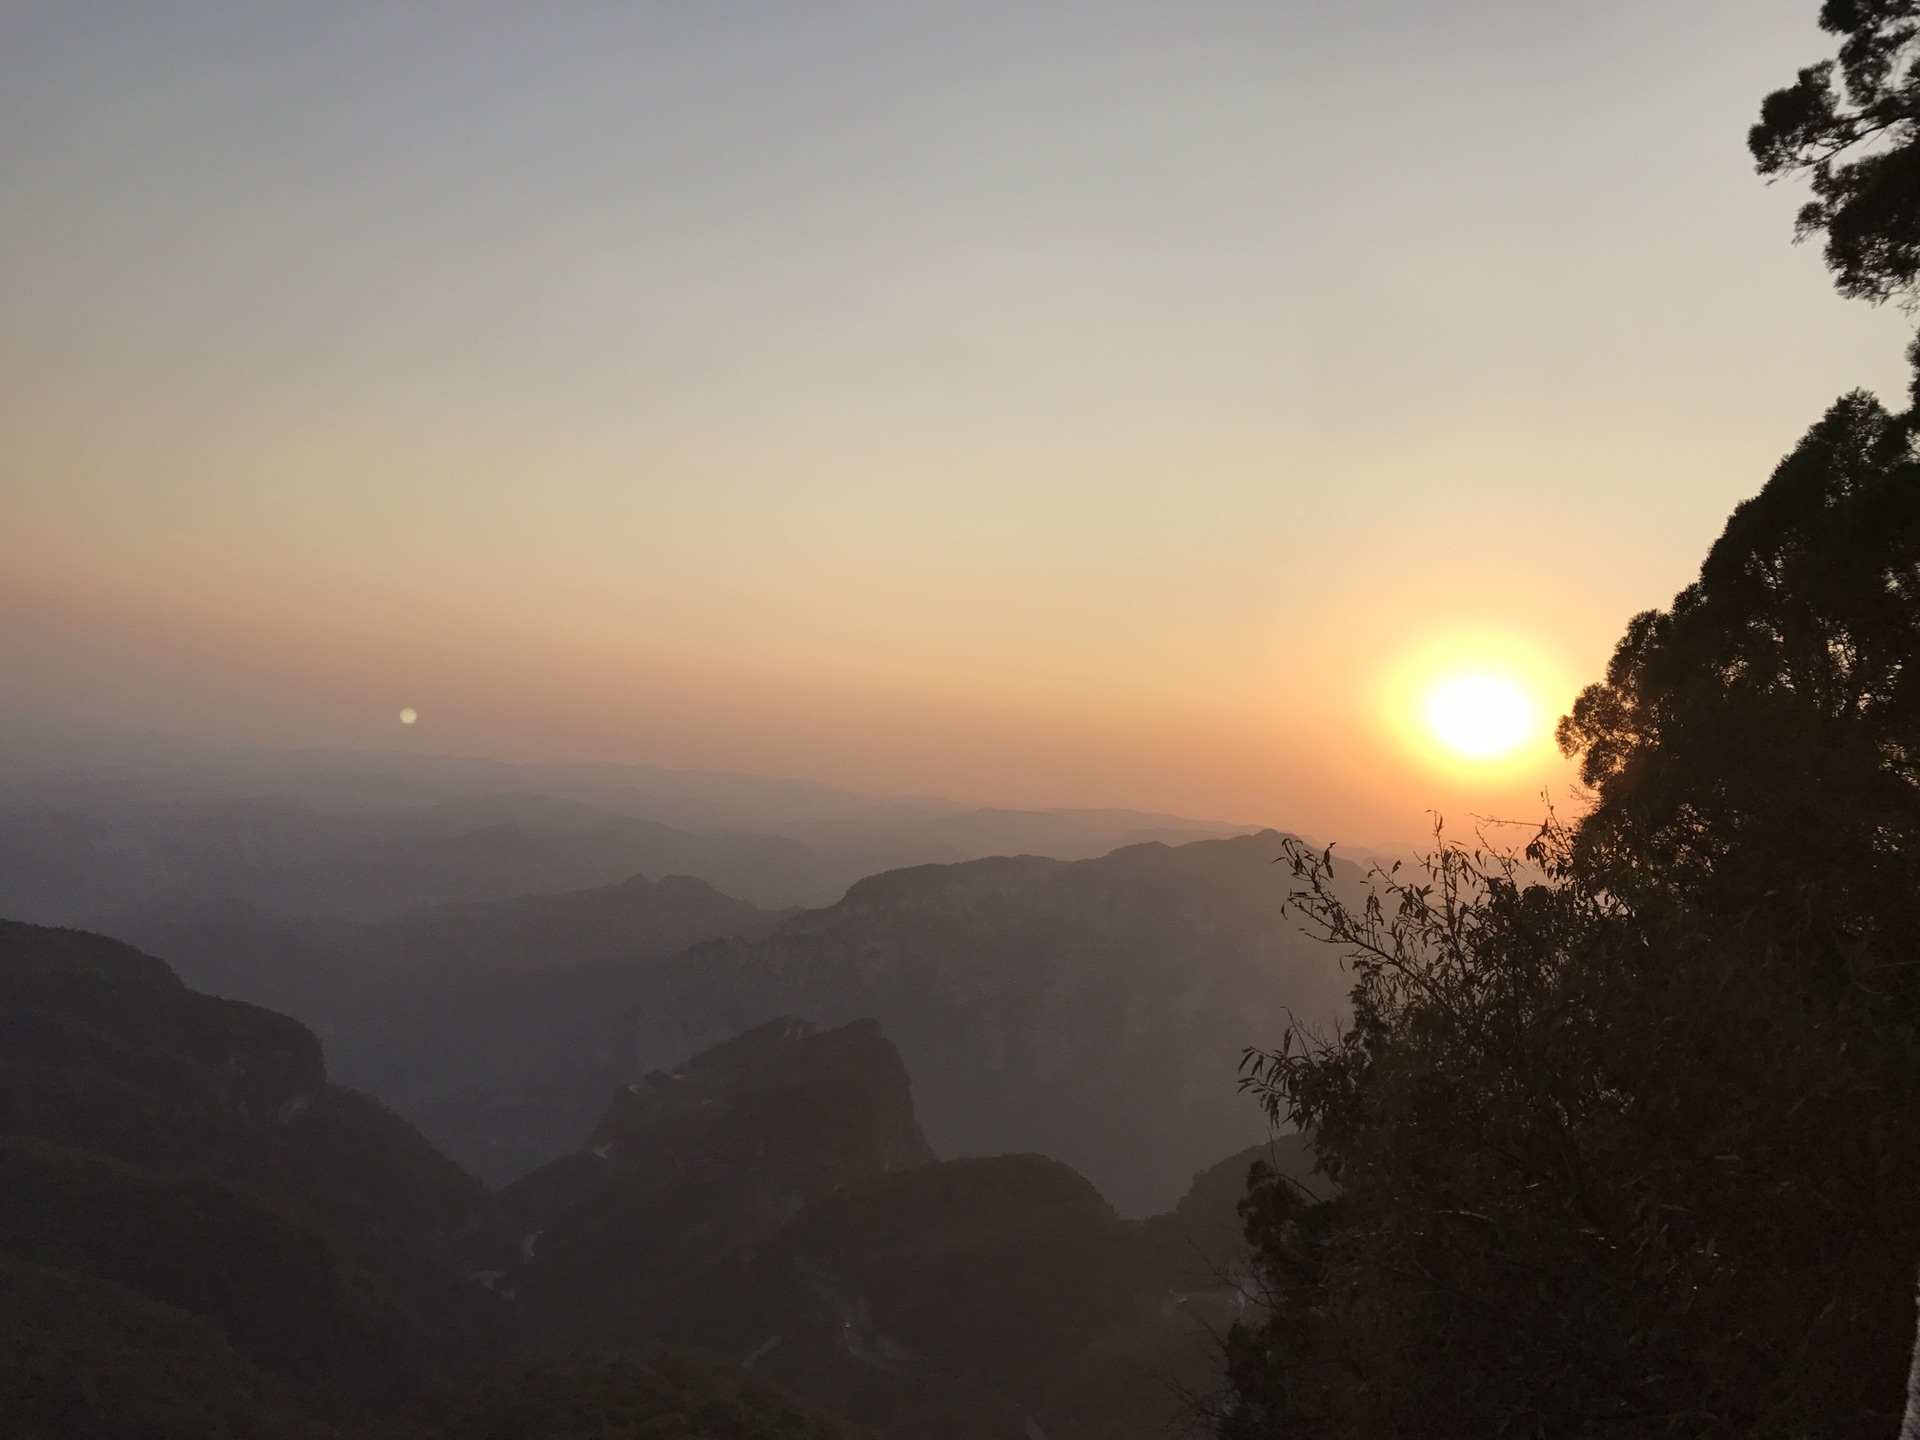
column 199, row 1235
column 133, row 865
column 982, row 1297
column 167, row 1155
column 1095, row 1010
column 689, row 1170
column 672, row 1395
column 902, row 835
column 497, row 1028
column 1092, row 1010
column 775, row 842
column 88, row 1359
column 772, row 1198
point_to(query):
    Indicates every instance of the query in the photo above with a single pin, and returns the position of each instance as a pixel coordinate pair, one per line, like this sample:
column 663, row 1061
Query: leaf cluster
column 1850, row 124
column 1626, row 1126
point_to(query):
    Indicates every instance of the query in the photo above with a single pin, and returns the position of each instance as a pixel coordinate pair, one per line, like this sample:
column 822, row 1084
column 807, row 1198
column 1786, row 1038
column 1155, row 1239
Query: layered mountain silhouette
column 1093, row 1010
column 652, row 1224
column 127, row 864
column 178, row 1167
column 774, row 1198
column 497, row 1028
column 201, row 1235
column 107, row 833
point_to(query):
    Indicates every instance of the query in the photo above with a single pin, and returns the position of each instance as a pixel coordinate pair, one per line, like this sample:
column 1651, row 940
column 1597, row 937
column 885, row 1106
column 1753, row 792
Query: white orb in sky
column 409, row 715
column 1480, row 716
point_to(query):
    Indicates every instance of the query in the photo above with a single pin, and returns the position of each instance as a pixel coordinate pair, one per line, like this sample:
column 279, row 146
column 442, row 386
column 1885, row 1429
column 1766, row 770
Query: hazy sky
column 1032, row 403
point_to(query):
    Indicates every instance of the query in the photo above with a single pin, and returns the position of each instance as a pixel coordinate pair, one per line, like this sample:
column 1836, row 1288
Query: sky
column 1119, row 404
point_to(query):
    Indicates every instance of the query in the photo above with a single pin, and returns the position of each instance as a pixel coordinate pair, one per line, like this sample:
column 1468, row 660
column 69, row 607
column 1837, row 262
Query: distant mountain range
column 492, row 964
column 1093, row 1010
column 92, row 828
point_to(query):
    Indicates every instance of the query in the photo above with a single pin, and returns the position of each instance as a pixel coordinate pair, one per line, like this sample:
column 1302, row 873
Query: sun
column 1472, row 707
column 1480, row 715
column 1476, row 705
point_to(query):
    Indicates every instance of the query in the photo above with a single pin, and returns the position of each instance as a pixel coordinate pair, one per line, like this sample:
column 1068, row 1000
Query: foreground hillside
column 182, row 1184
column 201, row 1236
column 774, row 1198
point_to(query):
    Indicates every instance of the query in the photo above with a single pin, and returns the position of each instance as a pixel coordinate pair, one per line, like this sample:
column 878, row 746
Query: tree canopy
column 1852, row 125
column 1755, row 749
column 1626, row 1127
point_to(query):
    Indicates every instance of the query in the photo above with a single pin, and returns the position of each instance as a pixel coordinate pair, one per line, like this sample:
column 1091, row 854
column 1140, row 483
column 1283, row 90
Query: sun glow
column 1477, row 706
column 1480, row 716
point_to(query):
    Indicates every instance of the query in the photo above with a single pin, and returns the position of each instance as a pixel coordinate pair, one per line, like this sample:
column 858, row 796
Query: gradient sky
column 1086, row 404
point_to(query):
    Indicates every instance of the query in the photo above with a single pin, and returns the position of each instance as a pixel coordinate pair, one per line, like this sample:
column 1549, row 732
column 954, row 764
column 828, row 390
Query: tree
column 1627, row 1129
column 1755, row 750
column 1853, row 126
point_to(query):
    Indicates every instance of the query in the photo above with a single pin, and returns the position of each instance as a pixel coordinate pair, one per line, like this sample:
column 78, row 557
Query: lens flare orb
column 409, row 715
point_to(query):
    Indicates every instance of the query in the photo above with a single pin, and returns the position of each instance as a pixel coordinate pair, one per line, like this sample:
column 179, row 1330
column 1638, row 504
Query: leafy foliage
column 1627, row 1128
column 1852, row 124
column 1756, row 748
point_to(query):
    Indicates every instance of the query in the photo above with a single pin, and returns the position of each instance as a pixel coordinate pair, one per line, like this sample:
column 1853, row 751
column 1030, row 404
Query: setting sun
column 1480, row 717
column 1476, row 705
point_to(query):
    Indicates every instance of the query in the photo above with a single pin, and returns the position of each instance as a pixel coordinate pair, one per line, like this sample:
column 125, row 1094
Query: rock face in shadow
column 639, row 1235
column 652, row 1395
column 200, row 1235
column 1093, row 1010
column 953, row 1299
column 773, row 1200
column 178, row 1165
column 497, row 1028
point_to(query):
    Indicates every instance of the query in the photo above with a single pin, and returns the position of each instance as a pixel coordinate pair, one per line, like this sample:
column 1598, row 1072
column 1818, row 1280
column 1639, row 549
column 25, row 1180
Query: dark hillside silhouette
column 167, row 1155
column 497, row 1028
column 773, row 1198
column 201, row 1235
column 1091, row 1010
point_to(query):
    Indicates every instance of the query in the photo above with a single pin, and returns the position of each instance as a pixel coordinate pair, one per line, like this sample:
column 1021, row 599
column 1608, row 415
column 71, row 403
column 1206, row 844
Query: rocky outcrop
column 643, row 1233
column 772, row 1200
column 187, row 1153
column 1094, row 1010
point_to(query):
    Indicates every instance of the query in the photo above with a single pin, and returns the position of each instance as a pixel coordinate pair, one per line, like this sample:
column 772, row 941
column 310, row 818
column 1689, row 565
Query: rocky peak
column 785, row 1104
column 692, row 1168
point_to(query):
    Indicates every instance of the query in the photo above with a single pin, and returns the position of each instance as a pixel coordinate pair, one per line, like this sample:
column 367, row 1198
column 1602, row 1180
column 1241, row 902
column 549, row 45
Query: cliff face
column 641, row 1233
column 1094, row 1010
column 200, row 1235
column 772, row 1199
column 161, row 1148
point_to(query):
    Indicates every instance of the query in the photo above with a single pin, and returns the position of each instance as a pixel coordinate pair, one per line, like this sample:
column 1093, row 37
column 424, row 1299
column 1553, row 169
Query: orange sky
column 1036, row 405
